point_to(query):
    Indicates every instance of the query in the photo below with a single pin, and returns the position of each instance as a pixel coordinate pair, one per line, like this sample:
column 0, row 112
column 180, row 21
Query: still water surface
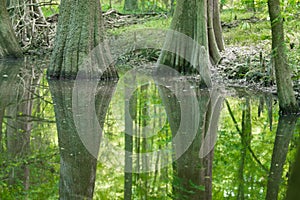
column 138, row 139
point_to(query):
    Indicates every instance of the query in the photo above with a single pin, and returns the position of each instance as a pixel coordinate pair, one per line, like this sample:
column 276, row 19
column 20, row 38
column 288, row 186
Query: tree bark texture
column 9, row 46
column 195, row 20
column 79, row 31
column 287, row 100
column 212, row 42
column 217, row 26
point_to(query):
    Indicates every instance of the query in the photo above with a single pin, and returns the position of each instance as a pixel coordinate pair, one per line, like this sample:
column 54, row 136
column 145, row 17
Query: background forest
column 246, row 30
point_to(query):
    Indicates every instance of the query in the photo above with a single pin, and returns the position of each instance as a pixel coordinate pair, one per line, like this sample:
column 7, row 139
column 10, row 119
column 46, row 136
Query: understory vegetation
column 247, row 35
column 243, row 26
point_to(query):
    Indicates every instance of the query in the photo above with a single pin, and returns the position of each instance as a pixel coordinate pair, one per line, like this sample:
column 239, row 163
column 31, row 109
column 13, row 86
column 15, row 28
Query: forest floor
column 242, row 65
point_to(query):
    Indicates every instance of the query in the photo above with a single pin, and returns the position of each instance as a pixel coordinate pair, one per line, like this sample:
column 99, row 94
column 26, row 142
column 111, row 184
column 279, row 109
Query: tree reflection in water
column 249, row 160
column 78, row 164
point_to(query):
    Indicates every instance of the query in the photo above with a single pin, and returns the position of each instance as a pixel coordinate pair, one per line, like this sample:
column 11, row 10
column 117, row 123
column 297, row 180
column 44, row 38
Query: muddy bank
column 249, row 67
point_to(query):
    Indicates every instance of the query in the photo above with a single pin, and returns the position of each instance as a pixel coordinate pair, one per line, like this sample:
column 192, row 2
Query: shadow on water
column 141, row 138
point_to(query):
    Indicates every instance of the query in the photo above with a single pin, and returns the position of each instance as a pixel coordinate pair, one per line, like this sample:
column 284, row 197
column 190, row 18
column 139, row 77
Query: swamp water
column 141, row 138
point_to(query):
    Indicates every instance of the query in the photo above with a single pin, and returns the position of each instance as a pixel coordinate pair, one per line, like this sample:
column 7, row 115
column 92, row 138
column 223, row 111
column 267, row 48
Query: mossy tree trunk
column 217, row 25
column 287, row 100
column 194, row 19
column 212, row 41
column 79, row 31
column 9, row 46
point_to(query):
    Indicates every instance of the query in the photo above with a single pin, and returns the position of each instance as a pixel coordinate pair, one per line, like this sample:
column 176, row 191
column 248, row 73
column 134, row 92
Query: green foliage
column 43, row 159
column 223, row 2
column 292, row 35
column 146, row 110
column 50, row 10
column 144, row 6
column 117, row 5
column 245, row 33
column 156, row 23
column 228, row 153
column 43, row 168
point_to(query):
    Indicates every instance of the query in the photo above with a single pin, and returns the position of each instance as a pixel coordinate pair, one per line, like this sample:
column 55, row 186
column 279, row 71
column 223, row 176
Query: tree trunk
column 189, row 58
column 212, row 43
column 186, row 24
column 2, row 110
column 79, row 31
column 217, row 26
column 287, row 100
column 9, row 46
column 172, row 9
column 9, row 80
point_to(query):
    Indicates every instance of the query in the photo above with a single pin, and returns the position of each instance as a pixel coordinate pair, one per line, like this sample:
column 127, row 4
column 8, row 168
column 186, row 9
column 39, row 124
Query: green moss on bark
column 287, row 100
column 9, row 46
column 79, row 31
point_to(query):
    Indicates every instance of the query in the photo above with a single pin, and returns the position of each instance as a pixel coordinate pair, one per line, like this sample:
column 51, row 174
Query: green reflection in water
column 237, row 168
